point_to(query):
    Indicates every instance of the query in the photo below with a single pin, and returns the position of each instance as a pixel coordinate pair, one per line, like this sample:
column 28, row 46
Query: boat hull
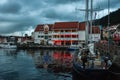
column 8, row 45
column 72, row 49
column 89, row 74
column 79, row 73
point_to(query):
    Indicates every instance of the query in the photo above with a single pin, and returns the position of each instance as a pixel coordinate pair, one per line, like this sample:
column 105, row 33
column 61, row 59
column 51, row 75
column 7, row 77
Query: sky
column 19, row 17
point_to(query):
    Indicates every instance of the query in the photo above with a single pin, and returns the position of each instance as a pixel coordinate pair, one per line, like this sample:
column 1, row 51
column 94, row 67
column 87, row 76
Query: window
column 38, row 36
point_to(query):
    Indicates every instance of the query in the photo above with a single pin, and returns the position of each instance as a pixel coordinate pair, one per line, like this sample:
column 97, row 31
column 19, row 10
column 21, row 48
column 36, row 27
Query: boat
column 73, row 48
column 8, row 45
column 90, row 65
column 86, row 67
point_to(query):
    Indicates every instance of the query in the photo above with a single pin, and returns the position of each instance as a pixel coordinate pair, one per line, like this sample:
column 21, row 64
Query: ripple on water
column 20, row 65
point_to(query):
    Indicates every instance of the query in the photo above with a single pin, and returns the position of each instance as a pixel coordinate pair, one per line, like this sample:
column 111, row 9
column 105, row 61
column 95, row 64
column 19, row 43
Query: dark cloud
column 103, row 4
column 61, row 16
column 61, row 1
column 10, row 7
column 10, row 24
column 20, row 15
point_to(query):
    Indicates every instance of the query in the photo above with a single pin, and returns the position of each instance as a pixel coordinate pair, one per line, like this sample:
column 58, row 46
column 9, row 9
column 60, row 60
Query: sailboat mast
column 108, row 13
column 86, row 17
column 87, row 10
column 91, row 15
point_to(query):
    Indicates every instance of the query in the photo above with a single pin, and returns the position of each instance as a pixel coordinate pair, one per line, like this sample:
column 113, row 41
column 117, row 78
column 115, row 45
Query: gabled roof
column 40, row 27
column 66, row 25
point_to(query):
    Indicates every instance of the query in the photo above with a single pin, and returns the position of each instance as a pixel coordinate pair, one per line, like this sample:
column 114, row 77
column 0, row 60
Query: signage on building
column 46, row 29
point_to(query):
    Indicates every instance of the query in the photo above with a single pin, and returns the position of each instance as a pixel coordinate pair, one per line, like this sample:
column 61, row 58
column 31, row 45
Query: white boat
column 8, row 45
column 91, row 49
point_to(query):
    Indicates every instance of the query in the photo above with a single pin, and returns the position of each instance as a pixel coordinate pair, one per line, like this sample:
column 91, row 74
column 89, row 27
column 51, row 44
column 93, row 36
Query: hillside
column 114, row 19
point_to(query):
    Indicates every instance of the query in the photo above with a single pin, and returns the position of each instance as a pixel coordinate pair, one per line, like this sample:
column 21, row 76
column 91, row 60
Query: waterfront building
column 68, row 33
column 96, row 34
column 43, row 33
column 113, row 31
column 3, row 39
column 64, row 33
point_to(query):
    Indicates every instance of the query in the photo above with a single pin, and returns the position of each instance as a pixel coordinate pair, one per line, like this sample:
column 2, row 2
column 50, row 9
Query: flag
column 100, row 27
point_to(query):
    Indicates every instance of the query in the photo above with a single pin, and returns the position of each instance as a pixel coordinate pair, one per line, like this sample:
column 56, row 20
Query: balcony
column 65, row 33
column 64, row 38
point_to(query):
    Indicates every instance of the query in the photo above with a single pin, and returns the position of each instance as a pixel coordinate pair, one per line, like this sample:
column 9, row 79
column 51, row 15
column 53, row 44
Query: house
column 68, row 33
column 112, row 31
column 96, row 34
column 64, row 33
column 116, row 34
column 42, row 33
column 3, row 39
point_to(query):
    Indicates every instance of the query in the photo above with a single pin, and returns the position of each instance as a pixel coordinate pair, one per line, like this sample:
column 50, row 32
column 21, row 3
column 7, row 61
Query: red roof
column 66, row 25
column 116, row 37
column 82, row 26
column 40, row 27
column 96, row 29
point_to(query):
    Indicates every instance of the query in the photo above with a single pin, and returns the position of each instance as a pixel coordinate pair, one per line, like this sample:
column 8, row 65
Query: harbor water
column 31, row 64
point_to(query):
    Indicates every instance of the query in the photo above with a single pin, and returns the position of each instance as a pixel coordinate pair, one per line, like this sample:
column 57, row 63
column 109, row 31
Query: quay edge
column 43, row 47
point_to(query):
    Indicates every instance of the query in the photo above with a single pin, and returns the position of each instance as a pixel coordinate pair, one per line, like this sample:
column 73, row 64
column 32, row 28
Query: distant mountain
column 114, row 19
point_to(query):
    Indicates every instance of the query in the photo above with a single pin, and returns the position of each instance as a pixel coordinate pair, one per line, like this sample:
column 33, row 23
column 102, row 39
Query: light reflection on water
column 31, row 64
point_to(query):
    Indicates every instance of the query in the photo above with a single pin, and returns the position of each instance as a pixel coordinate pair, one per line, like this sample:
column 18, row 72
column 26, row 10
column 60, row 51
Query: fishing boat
column 8, row 45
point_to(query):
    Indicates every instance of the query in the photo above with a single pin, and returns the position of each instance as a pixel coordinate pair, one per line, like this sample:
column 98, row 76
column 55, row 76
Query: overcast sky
column 18, row 17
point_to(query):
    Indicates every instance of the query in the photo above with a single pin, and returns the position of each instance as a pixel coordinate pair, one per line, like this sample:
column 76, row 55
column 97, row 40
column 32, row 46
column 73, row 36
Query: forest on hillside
column 114, row 18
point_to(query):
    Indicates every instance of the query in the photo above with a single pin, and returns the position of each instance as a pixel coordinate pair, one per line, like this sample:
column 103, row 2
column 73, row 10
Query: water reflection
column 55, row 61
column 34, row 64
column 11, row 52
column 62, row 61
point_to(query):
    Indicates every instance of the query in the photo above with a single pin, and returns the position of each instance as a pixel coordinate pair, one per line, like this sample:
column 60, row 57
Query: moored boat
column 8, row 45
column 73, row 48
column 88, row 67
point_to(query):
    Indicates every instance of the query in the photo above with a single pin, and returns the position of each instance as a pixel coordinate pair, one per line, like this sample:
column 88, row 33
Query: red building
column 63, row 33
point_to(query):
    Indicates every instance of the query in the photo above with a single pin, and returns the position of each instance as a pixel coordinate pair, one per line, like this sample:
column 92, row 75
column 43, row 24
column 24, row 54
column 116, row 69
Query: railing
column 65, row 33
column 64, row 38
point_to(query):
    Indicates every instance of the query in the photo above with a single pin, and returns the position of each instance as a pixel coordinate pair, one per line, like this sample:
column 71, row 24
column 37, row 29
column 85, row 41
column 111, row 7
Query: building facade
column 68, row 33
column 43, row 33
column 63, row 33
